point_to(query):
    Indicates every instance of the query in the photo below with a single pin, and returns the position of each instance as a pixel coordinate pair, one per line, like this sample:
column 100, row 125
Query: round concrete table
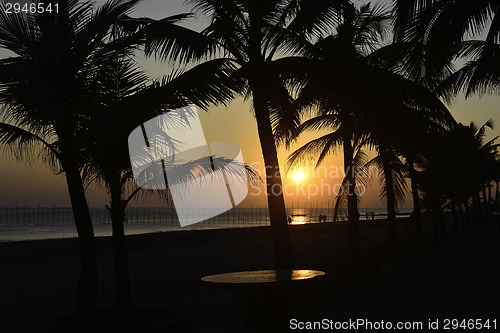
column 272, row 297
column 268, row 276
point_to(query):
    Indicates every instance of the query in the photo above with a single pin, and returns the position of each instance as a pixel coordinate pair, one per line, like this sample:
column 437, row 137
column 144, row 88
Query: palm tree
column 391, row 105
column 356, row 37
column 411, row 109
column 92, row 75
column 480, row 74
column 256, row 36
column 123, row 90
column 465, row 149
column 411, row 147
column 43, row 92
column 343, row 135
column 434, row 31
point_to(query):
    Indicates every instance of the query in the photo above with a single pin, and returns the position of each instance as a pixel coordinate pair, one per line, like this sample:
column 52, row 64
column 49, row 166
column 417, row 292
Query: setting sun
column 298, row 176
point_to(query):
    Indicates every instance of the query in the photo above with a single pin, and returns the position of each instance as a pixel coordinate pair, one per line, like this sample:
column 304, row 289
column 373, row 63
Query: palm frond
column 317, row 149
column 25, row 146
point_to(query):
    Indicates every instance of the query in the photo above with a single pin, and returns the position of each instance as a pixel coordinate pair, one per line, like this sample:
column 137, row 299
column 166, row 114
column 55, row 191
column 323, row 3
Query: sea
column 35, row 223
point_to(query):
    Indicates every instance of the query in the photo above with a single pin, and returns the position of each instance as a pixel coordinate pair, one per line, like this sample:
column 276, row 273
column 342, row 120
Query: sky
column 37, row 185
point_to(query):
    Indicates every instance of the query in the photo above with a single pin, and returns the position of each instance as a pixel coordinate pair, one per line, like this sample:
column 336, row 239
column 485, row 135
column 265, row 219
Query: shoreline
column 24, row 233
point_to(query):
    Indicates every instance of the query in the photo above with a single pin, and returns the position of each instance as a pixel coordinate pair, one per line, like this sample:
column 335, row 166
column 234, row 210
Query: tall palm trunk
column 496, row 194
column 490, row 199
column 461, row 215
column 275, row 200
column 485, row 204
column 352, row 198
column 435, row 211
column 443, row 230
column 439, row 227
column 417, row 218
column 488, row 203
column 476, row 203
column 467, row 214
column 455, row 219
column 87, row 283
column 390, row 196
column 123, row 301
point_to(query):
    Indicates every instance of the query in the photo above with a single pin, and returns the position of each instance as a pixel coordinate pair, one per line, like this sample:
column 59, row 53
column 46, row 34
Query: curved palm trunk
column 123, row 302
column 416, row 201
column 275, row 200
column 87, row 282
column 352, row 198
column 390, row 196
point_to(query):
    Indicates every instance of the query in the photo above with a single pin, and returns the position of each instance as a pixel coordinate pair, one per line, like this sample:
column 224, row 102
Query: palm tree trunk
column 275, row 200
column 123, row 301
column 87, row 282
column 488, row 203
column 352, row 199
column 390, row 197
column 416, row 201
column 467, row 214
column 485, row 203
column 443, row 230
column 455, row 219
column 462, row 219
column 436, row 218
column 490, row 199
column 496, row 195
column 476, row 203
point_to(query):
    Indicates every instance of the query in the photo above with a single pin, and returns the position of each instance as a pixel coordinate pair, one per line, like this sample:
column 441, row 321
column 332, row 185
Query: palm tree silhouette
column 343, row 135
column 44, row 95
column 464, row 148
column 437, row 32
column 391, row 104
column 480, row 75
column 359, row 34
column 410, row 147
column 79, row 53
column 255, row 36
column 127, row 91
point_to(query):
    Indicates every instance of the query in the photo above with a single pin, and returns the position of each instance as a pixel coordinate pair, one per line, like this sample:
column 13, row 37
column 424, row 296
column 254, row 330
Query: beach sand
column 458, row 279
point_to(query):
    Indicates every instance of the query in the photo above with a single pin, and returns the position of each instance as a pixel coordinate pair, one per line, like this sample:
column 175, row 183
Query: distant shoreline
column 143, row 230
column 22, row 223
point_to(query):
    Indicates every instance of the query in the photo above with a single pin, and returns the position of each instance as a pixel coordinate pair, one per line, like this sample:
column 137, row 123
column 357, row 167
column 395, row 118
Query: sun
column 298, row 176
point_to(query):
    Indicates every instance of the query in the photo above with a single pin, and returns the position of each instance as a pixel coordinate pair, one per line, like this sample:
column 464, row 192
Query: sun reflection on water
column 298, row 220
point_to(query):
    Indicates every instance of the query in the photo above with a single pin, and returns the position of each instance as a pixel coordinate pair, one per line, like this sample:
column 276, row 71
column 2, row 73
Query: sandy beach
column 456, row 280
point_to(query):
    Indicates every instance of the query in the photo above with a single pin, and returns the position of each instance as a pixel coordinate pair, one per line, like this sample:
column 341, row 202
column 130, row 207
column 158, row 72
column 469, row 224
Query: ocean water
column 31, row 223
